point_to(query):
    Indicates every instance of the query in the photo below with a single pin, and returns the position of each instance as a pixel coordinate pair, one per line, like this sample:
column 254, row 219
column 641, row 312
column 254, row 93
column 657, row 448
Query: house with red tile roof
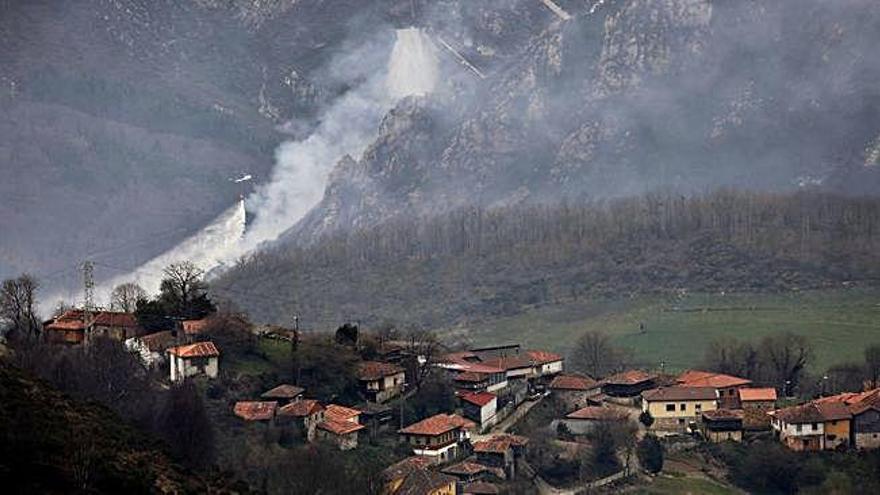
column 255, row 410
column 865, row 426
column 572, row 391
column 502, row 452
column 722, row 425
column 728, row 386
column 75, row 326
column 443, row 437
column 546, row 363
column 343, row 433
column 151, row 348
column 812, row 426
column 380, row 381
column 584, row 420
column 469, row 471
column 284, row 393
column 480, row 407
column 480, row 488
column 628, row 384
column 342, row 413
column 394, row 475
column 678, row 408
column 201, row 358
column 305, row 414
column 756, row 403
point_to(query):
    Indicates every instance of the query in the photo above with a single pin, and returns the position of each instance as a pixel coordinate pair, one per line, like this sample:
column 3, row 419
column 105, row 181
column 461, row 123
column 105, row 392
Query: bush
column 650, row 453
column 646, row 419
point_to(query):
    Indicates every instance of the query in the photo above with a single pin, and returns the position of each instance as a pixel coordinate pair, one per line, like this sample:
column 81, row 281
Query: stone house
column 866, row 421
column 257, row 411
column 756, row 403
column 343, row 433
column 678, row 408
column 284, row 394
column 573, row 391
column 201, row 358
column 585, row 419
column 721, row 425
column 75, row 326
column 305, row 414
column 628, row 384
column 501, row 451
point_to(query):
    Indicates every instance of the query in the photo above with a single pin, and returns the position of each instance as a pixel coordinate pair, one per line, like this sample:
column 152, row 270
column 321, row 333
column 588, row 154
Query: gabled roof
column 301, row 408
column 199, row 349
column 680, row 393
column 284, row 391
column 423, row 482
column 543, row 357
column 74, row 319
column 438, row 425
column 596, row 413
column 723, row 415
column 255, row 411
column 401, row 469
column 510, row 363
column 813, row 412
column 499, row 444
column 757, row 394
column 115, row 319
column 470, row 377
column 375, row 370
column 341, row 413
column 630, row 377
column 478, row 398
column 866, row 401
column 466, row 468
column 159, row 341
column 340, row 427
column 697, row 378
column 573, row 382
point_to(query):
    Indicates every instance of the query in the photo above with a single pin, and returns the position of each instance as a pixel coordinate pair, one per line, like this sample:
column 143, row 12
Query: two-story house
column 678, row 408
column 756, row 403
column 443, row 437
column 727, row 386
column 305, row 414
column 480, row 407
column 379, row 381
column 574, row 391
column 201, row 358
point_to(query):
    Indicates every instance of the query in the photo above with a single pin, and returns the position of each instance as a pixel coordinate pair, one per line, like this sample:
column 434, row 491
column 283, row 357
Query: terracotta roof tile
column 680, row 393
column 401, row 469
column 301, row 408
column 341, row 413
column 724, row 414
column 438, row 425
column 375, row 370
column 630, row 377
column 757, row 394
column 255, row 411
column 697, row 378
column 159, row 341
column 543, row 357
column 500, row 443
column 471, row 377
column 284, row 391
column 596, row 414
column 115, row 319
column 424, row 482
column 573, row 382
column 338, row 427
column 510, row 363
column 478, row 398
column 466, row 468
column 199, row 349
column 813, row 412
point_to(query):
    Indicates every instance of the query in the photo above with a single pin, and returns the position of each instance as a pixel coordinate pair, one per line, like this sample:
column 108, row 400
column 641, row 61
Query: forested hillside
column 476, row 263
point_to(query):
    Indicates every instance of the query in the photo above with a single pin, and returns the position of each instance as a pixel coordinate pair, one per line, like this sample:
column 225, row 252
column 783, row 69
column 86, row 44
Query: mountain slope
column 629, row 96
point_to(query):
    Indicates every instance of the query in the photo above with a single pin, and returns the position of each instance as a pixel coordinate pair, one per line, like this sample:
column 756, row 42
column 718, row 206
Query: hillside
column 50, row 443
column 475, row 264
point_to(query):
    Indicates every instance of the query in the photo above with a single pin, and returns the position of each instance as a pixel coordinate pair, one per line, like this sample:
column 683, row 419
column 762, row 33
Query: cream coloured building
column 676, row 408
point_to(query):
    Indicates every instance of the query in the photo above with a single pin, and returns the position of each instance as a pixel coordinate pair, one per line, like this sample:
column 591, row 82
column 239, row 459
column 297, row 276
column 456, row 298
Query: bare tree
column 733, row 357
column 872, row 364
column 424, row 348
column 18, row 305
column 786, row 356
column 183, row 290
column 126, row 296
column 595, row 355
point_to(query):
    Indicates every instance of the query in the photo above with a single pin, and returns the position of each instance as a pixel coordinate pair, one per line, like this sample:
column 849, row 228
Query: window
column 799, row 428
column 670, row 407
column 698, row 407
column 721, row 393
column 682, row 407
column 681, row 421
column 814, row 426
column 834, row 423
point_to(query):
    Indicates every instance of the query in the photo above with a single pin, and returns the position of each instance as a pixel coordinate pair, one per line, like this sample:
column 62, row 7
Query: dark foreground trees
column 18, row 303
column 650, row 454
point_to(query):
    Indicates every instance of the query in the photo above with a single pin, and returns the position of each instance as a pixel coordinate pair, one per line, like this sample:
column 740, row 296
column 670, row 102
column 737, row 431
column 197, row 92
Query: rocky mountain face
column 630, row 96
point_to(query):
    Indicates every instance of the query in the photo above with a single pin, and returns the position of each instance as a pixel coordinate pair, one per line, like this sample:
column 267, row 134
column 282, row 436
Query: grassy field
column 670, row 485
column 840, row 323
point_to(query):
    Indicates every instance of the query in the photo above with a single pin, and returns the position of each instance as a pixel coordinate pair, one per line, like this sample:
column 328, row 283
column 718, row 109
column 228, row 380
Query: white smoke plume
column 300, row 175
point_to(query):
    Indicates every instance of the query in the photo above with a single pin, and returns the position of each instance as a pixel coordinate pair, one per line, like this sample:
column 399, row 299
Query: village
column 511, row 417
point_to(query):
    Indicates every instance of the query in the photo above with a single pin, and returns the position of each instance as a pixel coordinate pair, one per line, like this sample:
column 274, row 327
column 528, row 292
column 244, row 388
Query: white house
column 546, row 363
column 480, row 407
column 201, row 358
column 151, row 348
column 440, row 438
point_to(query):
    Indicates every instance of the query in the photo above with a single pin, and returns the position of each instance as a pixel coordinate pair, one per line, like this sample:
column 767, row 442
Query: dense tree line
column 491, row 262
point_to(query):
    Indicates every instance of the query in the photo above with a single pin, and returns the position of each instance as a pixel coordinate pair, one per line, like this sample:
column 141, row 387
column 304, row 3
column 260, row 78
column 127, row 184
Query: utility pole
column 88, row 270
